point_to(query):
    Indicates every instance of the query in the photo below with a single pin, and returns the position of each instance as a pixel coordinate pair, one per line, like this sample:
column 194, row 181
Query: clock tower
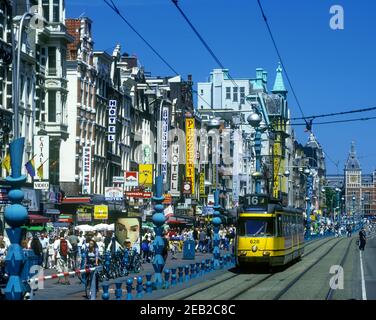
column 353, row 180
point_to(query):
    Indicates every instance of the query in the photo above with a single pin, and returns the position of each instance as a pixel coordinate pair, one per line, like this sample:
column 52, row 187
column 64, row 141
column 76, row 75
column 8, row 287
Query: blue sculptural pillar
column 15, row 216
column 216, row 224
column 158, row 220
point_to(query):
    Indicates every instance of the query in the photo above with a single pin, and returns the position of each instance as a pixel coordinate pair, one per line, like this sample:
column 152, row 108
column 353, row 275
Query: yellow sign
column 145, row 175
column 202, row 184
column 101, row 212
column 276, row 164
column 190, row 152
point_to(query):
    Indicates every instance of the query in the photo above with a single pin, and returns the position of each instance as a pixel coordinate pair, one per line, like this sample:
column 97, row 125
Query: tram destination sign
column 255, row 201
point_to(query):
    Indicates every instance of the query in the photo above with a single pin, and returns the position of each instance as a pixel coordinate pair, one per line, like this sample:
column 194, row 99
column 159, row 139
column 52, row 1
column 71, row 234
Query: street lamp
column 309, row 183
column 353, row 209
column 254, row 119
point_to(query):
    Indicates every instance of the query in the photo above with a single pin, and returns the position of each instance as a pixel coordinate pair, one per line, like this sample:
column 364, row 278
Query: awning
column 76, row 200
column 37, row 219
column 52, row 211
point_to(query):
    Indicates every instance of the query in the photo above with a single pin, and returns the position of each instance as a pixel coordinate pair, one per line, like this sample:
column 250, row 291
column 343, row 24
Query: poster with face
column 128, row 229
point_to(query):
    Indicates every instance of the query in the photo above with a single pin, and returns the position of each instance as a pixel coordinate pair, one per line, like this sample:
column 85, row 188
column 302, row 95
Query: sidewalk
column 75, row 291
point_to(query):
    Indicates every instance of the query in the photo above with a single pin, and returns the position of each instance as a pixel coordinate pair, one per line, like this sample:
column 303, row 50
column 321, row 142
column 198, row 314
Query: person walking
column 202, row 240
column 44, row 241
column 73, row 240
column 62, row 247
column 36, row 247
column 145, row 249
column 362, row 239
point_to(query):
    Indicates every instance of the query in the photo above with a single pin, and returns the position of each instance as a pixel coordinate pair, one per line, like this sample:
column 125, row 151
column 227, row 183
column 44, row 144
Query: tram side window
column 279, row 226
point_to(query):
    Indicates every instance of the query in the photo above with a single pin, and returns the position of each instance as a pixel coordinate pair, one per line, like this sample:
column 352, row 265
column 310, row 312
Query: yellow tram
column 267, row 232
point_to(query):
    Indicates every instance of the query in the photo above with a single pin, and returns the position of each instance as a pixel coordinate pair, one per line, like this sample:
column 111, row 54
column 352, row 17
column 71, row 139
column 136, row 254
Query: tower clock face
column 353, row 179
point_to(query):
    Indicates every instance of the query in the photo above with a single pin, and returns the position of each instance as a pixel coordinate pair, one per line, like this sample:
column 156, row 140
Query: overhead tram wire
column 336, row 113
column 280, row 58
column 336, row 121
column 175, row 2
column 307, row 124
column 117, row 11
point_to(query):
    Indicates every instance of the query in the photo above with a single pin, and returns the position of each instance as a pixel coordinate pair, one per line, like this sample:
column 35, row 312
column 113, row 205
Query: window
column 235, row 94
column 56, row 11
column 46, row 9
column 52, row 106
column 242, row 95
column 258, row 227
column 52, row 61
column 228, row 93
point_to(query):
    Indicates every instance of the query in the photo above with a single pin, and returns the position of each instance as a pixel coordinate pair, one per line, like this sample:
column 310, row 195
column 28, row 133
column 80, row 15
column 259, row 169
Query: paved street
column 308, row 279
column 75, row 291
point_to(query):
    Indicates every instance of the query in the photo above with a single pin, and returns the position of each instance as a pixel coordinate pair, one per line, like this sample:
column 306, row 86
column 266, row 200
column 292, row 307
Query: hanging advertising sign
column 174, row 186
column 86, row 170
column 113, row 193
column 42, row 155
column 187, row 187
column 139, row 194
column 101, row 212
column 164, row 143
column 145, row 175
column 190, row 152
column 131, row 179
column 202, row 185
column 84, row 214
column 276, row 164
column 146, row 149
column 112, row 111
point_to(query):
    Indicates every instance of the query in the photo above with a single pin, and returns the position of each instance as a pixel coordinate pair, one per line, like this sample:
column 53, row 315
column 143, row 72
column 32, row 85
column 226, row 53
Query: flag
column 30, row 167
column 6, row 163
column 40, row 171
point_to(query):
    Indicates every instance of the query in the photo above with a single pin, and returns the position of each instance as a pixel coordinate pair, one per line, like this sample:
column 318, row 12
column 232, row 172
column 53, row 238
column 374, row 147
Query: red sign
column 139, row 195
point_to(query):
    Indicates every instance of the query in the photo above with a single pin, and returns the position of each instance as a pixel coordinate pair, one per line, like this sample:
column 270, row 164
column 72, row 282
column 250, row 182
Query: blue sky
column 331, row 70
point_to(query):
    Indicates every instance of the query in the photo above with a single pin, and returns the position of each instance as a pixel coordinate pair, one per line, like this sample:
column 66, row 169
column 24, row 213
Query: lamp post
column 353, row 209
column 309, row 182
column 254, row 119
column 338, row 190
column 216, row 221
column 362, row 210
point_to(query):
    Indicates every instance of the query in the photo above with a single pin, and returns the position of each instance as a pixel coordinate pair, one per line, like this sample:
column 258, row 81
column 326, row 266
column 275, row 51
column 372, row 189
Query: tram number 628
column 254, row 241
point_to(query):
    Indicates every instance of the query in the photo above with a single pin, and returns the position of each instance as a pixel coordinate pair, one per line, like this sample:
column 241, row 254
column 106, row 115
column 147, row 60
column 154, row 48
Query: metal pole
column 258, row 153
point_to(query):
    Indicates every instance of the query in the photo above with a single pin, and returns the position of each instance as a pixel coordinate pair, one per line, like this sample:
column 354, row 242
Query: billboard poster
column 164, row 143
column 84, row 214
column 129, row 229
column 113, row 194
column 131, row 179
column 174, row 185
column 190, row 152
column 202, row 185
column 42, row 155
column 101, row 212
column 145, row 175
column 86, row 170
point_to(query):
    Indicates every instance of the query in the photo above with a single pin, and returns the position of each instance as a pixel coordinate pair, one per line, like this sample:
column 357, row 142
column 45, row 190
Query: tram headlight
column 266, row 253
column 254, row 248
column 242, row 253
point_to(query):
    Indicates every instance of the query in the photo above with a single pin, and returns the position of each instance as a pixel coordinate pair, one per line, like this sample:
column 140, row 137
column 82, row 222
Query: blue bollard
column 173, row 277
column 221, row 263
column 198, row 273
column 212, row 264
column 225, row 260
column 140, row 288
column 118, row 290
column 129, row 288
column 193, row 271
column 207, row 265
column 149, row 285
column 167, row 276
column 203, row 267
column 186, row 271
column 105, row 294
column 180, row 272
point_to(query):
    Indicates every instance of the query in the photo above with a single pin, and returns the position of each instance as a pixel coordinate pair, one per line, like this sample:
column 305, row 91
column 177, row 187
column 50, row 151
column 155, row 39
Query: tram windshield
column 263, row 227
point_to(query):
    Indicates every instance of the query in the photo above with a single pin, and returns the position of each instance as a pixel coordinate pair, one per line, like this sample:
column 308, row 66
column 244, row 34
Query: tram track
column 331, row 291
column 237, row 281
column 296, row 279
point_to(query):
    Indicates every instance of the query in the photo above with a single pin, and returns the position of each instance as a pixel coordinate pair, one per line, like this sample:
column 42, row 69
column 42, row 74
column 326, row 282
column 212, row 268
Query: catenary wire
column 336, row 113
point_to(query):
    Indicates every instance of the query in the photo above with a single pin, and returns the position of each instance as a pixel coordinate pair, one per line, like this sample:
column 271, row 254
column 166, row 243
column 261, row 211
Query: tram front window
column 256, row 227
